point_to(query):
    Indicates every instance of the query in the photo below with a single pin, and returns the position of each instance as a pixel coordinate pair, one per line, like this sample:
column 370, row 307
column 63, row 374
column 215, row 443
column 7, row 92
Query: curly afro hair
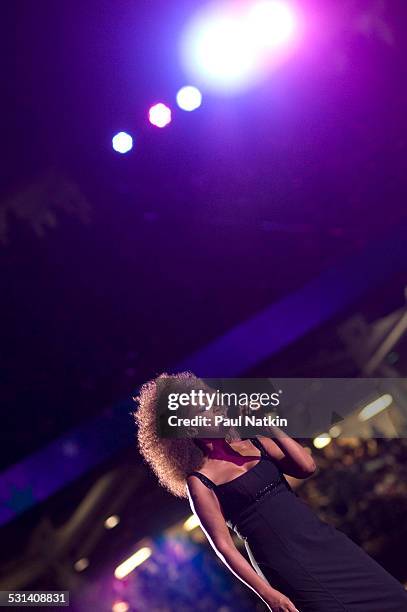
column 171, row 459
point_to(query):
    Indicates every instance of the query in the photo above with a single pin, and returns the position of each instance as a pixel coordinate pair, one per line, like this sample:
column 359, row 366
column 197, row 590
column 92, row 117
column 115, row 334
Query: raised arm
column 205, row 505
column 292, row 458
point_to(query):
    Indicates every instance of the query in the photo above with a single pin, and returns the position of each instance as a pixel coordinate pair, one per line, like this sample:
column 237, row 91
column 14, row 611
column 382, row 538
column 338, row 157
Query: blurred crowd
column 361, row 488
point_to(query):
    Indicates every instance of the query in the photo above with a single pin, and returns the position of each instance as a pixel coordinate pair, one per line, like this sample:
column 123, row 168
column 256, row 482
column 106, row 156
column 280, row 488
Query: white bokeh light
column 272, row 22
column 122, row 142
column 189, row 98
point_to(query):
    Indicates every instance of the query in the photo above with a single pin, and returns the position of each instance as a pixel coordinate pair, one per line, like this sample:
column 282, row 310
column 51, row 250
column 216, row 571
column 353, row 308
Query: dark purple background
column 204, row 223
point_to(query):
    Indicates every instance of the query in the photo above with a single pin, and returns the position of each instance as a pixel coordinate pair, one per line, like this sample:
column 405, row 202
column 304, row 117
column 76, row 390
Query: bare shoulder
column 206, row 507
column 197, row 488
column 194, row 483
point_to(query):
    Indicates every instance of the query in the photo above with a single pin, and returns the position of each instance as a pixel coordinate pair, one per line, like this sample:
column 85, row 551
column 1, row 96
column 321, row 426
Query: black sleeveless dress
column 318, row 567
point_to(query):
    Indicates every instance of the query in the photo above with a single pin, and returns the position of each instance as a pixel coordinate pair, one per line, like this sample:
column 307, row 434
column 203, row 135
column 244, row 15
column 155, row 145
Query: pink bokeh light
column 159, row 115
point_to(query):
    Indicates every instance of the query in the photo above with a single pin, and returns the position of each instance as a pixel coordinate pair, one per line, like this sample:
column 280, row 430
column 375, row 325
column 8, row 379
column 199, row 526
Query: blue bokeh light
column 122, row 142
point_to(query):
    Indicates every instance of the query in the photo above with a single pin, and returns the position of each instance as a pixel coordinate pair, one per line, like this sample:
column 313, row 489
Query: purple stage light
column 217, row 51
column 159, row 115
column 228, row 46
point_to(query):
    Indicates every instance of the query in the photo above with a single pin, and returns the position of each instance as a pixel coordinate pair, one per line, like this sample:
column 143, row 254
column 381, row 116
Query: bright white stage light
column 159, row 115
column 272, row 22
column 189, row 98
column 122, row 142
column 191, row 523
column 227, row 46
column 218, row 51
column 132, row 562
column 322, row 440
column 375, row 407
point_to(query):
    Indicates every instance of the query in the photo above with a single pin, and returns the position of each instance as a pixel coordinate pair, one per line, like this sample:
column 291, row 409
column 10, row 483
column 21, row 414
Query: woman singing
column 297, row 561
